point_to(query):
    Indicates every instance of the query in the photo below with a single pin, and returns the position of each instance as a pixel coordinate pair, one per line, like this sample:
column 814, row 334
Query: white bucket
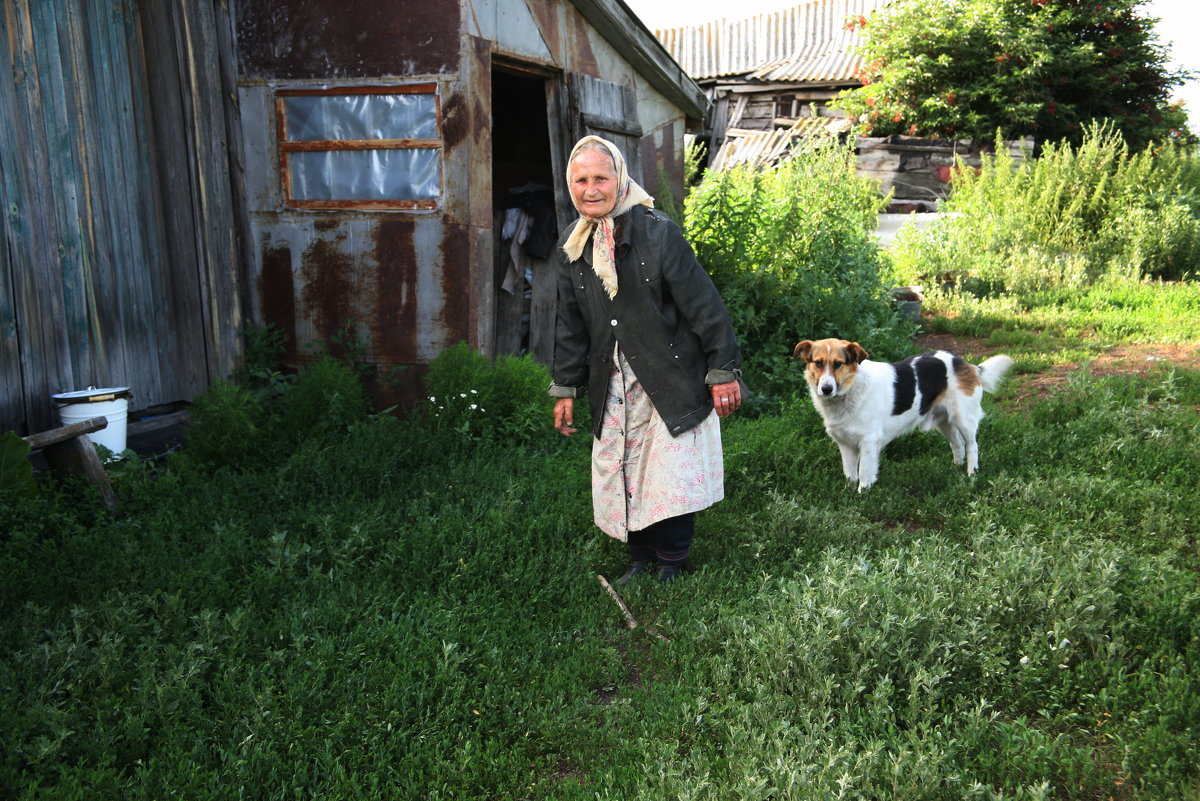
column 112, row 403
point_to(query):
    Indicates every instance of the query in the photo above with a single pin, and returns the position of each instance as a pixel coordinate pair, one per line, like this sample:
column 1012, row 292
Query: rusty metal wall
column 411, row 283
column 346, row 39
column 404, row 284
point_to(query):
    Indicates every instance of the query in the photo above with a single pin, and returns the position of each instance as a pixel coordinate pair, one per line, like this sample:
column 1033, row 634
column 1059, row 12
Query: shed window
column 360, row 148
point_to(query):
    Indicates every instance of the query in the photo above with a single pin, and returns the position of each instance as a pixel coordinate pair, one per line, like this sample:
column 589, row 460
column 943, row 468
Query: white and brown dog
column 866, row 404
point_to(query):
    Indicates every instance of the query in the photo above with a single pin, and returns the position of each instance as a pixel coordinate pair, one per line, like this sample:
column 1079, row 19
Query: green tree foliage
column 1042, row 68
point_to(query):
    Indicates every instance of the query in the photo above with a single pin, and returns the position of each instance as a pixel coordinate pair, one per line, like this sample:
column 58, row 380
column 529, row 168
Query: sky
column 1179, row 29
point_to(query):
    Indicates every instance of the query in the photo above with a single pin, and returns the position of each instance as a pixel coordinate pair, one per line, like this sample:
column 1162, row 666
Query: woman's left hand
column 726, row 398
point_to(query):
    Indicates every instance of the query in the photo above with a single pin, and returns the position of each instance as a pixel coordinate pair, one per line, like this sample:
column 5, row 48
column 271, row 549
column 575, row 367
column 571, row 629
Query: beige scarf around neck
column 629, row 194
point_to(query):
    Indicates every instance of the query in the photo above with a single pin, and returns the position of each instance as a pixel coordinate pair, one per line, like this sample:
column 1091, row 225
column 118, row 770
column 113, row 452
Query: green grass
column 391, row 612
column 1069, row 326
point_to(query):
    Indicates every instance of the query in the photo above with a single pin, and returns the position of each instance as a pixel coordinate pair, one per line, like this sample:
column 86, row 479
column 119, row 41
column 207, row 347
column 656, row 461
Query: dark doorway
column 525, row 224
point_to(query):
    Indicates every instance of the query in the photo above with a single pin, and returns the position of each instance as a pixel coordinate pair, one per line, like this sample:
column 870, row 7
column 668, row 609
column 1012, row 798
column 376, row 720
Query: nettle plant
column 1043, row 68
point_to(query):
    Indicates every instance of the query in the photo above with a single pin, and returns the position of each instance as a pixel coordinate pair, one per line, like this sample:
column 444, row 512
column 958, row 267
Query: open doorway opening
column 523, row 203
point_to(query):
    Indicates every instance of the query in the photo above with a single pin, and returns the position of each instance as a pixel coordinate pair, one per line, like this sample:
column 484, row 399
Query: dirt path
column 1121, row 360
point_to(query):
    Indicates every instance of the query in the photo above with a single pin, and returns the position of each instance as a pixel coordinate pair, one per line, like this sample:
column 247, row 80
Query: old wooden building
column 388, row 171
column 387, row 145
column 770, row 76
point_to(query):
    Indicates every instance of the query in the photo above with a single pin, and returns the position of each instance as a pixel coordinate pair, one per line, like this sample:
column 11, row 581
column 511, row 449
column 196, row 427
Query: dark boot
column 668, row 573
column 672, row 543
column 636, row 568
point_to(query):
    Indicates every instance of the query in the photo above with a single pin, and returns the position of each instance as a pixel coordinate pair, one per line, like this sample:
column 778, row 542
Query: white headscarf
column 629, row 194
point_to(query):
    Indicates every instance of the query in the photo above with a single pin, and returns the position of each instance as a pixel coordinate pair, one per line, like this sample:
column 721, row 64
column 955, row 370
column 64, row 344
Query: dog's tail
column 992, row 372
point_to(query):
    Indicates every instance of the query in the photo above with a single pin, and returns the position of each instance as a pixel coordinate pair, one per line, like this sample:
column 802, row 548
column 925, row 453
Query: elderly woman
column 642, row 331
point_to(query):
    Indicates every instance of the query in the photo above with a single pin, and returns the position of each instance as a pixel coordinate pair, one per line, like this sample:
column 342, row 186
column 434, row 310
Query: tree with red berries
column 967, row 69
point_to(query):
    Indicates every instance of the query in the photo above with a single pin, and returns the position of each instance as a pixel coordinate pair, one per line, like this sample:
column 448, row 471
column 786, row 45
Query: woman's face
column 593, row 182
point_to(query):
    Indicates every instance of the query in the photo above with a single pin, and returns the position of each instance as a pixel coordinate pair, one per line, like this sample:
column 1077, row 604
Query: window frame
column 287, row 147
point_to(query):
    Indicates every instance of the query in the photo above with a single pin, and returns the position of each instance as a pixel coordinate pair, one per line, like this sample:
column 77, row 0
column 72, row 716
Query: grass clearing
column 399, row 611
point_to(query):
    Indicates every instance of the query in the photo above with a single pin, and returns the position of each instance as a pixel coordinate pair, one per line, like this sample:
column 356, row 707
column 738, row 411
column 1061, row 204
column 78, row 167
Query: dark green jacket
column 667, row 316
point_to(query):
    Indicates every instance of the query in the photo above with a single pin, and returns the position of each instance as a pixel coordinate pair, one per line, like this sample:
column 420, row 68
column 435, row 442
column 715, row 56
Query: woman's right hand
column 564, row 416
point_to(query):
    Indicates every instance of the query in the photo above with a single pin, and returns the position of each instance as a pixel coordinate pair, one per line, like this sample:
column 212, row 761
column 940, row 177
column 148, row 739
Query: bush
column 328, row 396
column 226, row 424
column 242, row 422
column 792, row 251
column 1071, row 217
column 504, row 400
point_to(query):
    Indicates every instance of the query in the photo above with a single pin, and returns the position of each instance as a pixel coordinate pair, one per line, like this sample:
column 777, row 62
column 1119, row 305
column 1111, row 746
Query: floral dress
column 640, row 473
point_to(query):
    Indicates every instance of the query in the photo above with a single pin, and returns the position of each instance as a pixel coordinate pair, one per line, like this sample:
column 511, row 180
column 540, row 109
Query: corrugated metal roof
column 807, row 43
column 758, row 148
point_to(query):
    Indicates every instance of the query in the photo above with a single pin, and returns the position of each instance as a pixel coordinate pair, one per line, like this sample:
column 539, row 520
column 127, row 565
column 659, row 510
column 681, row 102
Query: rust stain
column 482, row 96
column 662, row 155
column 327, row 291
column 394, row 317
column 278, row 295
column 456, row 120
column 545, row 13
column 350, row 38
column 456, row 282
column 583, row 57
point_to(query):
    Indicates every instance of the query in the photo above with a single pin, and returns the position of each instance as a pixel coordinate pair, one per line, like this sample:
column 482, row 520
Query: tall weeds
column 791, row 250
column 1069, row 218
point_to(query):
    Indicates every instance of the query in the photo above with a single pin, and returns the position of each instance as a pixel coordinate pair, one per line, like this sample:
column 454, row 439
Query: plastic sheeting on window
column 385, row 174
column 338, row 117
column 405, row 174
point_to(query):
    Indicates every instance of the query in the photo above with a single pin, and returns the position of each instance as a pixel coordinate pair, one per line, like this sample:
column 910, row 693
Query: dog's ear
column 802, row 350
column 855, row 352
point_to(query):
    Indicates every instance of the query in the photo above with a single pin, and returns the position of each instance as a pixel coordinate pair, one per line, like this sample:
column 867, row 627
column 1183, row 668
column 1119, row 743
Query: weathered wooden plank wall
column 121, row 247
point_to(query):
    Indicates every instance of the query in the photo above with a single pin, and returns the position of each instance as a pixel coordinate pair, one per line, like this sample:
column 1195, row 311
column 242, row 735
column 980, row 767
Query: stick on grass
column 630, row 620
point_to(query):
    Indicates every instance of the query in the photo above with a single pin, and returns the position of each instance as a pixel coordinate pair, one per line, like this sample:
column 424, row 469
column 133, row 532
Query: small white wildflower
column 1024, row 660
column 432, row 399
column 474, row 406
column 474, row 392
column 462, row 394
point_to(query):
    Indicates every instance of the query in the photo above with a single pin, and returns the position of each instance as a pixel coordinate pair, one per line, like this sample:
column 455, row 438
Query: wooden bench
column 70, row 450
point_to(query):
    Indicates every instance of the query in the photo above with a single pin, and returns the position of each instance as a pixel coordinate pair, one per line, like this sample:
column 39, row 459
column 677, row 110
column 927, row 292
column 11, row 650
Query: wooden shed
column 770, row 76
column 386, row 171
